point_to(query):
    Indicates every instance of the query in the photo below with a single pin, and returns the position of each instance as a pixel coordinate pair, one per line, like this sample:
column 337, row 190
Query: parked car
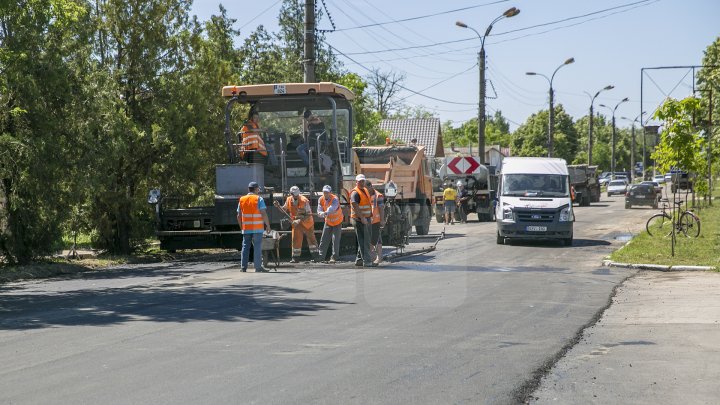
column 659, row 178
column 621, row 177
column 616, row 187
column 668, row 177
column 655, row 184
column 641, row 194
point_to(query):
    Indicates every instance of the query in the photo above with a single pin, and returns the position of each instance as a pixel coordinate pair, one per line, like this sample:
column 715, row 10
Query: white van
column 534, row 200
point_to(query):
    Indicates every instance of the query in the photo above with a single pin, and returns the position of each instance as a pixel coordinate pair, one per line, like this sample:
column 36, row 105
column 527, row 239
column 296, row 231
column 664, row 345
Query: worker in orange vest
column 303, row 225
column 252, row 141
column 253, row 220
column 329, row 208
column 377, row 203
column 361, row 217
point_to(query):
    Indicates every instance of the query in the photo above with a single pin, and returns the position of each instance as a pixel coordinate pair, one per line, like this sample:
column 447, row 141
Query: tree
column 530, row 139
column 681, row 142
column 384, row 87
column 39, row 98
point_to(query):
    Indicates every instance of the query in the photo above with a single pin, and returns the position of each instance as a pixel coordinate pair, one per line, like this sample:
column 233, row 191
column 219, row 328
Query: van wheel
column 500, row 239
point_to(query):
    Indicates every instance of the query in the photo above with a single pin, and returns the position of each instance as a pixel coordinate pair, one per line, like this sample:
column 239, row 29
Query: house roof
column 425, row 130
column 469, row 151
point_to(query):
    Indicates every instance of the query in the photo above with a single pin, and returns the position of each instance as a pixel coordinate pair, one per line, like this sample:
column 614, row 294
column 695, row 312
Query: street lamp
column 632, row 148
column 511, row 12
column 590, row 124
column 551, row 123
column 612, row 154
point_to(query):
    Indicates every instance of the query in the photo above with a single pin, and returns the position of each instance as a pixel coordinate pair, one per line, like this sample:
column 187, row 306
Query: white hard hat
column 459, row 183
column 327, row 188
column 294, row 190
column 360, row 177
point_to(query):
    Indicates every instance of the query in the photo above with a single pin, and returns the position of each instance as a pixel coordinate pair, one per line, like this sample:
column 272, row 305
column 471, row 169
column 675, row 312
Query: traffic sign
column 463, row 165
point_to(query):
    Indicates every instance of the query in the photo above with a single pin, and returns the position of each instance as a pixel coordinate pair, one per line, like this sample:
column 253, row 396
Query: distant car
column 604, row 180
column 659, row 178
column 668, row 177
column 616, row 187
column 641, row 194
column 621, row 177
column 655, row 184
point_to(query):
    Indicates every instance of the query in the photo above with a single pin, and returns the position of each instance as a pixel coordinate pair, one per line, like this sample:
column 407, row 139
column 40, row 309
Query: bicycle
column 661, row 224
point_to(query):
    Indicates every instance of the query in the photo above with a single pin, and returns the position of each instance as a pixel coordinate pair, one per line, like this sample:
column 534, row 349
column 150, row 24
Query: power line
column 401, row 86
column 445, row 80
column 641, row 2
column 421, row 17
column 261, row 13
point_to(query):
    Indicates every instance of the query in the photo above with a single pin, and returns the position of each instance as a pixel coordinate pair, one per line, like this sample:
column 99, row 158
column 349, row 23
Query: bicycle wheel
column 659, row 224
column 689, row 224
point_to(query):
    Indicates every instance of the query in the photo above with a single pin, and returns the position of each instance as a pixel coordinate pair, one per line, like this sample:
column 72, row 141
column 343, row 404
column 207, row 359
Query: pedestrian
column 450, row 197
column 253, row 220
column 377, row 203
column 329, row 208
column 360, row 216
column 303, row 225
column 463, row 198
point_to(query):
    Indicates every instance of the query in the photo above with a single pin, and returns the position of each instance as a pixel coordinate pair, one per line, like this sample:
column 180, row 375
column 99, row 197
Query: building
column 426, row 131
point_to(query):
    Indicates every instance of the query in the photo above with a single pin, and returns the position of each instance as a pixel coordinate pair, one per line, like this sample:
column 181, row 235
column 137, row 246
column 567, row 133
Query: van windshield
column 531, row 185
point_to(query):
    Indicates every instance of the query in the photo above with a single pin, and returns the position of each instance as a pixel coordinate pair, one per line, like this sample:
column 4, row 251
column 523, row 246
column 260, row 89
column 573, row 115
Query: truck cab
column 534, row 200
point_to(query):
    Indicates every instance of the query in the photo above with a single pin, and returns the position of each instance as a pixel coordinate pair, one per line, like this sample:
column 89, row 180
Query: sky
column 611, row 41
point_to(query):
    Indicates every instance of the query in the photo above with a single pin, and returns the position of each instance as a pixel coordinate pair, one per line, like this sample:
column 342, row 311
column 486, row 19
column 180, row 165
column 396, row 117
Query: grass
column 701, row 251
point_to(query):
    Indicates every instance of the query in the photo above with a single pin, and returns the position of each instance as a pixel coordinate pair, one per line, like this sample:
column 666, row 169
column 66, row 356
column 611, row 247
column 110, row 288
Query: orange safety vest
column 334, row 218
column 375, row 210
column 308, row 221
column 251, row 216
column 363, row 206
column 252, row 140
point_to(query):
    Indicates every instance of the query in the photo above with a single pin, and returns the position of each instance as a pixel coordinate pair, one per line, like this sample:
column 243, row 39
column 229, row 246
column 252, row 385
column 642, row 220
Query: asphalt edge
column 523, row 394
column 656, row 267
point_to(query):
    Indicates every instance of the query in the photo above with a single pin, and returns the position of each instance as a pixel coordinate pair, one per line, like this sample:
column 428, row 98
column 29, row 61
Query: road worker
column 253, row 220
column 450, row 202
column 361, row 217
column 252, row 141
column 329, row 208
column 303, row 225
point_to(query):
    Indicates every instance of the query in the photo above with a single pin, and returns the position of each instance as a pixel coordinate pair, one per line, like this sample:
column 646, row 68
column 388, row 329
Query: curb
column 655, row 267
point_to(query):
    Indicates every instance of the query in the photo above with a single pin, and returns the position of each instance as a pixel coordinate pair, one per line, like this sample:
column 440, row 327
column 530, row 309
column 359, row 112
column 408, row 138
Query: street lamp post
column 551, row 121
column 612, row 153
column 632, row 147
column 590, row 124
column 481, row 63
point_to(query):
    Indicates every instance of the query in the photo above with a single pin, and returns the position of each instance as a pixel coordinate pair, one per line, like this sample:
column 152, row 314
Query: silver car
column 617, row 187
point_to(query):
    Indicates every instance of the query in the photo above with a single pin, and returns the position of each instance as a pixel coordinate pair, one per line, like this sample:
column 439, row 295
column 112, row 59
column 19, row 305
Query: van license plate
column 536, row 228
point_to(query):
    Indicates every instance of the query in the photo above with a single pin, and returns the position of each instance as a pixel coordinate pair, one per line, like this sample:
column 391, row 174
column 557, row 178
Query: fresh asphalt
column 472, row 322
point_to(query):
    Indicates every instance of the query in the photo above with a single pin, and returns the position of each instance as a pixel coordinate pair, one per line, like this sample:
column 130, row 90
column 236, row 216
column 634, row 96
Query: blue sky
column 611, row 42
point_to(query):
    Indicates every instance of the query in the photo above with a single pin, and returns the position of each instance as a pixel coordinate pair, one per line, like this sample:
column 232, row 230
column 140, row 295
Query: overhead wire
column 261, row 13
column 642, row 3
column 421, row 17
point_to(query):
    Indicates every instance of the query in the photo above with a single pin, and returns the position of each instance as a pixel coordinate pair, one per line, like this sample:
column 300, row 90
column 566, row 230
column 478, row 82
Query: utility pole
column 551, row 123
column 309, row 45
column 632, row 154
column 709, row 147
column 481, row 109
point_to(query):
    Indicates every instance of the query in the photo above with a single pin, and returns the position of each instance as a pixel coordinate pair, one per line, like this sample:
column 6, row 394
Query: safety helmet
column 360, row 177
column 459, row 183
column 295, row 190
column 327, row 188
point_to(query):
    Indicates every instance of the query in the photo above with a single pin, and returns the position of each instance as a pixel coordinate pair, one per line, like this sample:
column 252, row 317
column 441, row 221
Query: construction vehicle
column 475, row 178
column 405, row 167
column 584, row 180
column 281, row 108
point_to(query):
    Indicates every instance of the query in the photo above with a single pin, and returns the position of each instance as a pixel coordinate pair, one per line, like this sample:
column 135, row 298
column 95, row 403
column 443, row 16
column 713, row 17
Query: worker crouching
column 303, row 225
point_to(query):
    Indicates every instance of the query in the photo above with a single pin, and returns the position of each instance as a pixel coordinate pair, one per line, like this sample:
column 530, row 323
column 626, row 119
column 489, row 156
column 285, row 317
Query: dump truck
column 330, row 160
column 476, row 179
column 405, row 167
column 583, row 179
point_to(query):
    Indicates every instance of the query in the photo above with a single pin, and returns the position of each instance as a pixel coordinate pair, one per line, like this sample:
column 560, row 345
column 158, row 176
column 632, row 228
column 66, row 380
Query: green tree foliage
column 682, row 144
column 38, row 89
column 497, row 132
column 530, row 139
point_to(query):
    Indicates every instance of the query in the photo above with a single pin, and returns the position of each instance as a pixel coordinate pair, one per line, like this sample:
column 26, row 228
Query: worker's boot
column 315, row 257
column 294, row 260
column 379, row 257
